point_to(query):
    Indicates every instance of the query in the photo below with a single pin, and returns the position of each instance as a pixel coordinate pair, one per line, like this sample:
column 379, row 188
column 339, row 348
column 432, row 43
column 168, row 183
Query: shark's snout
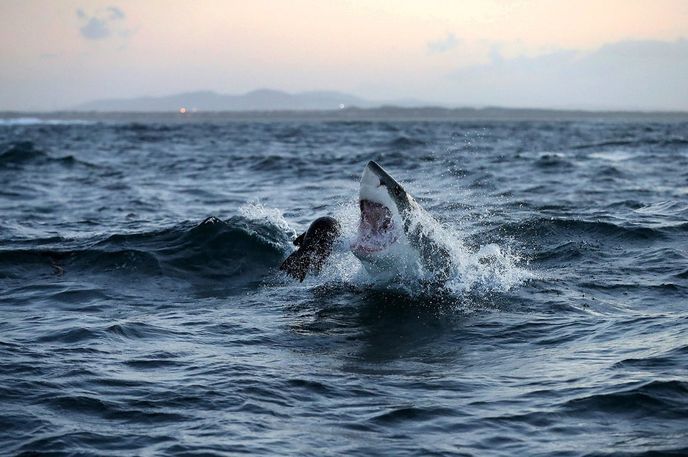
column 376, row 169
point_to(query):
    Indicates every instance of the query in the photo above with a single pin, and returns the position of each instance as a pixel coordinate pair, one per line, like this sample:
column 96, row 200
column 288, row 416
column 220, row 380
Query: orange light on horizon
column 182, row 110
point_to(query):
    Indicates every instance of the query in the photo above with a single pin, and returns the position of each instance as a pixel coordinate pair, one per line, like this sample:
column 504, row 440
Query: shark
column 395, row 237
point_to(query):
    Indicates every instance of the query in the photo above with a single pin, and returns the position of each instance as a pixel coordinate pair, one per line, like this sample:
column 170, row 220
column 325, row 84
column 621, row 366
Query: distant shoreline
column 386, row 113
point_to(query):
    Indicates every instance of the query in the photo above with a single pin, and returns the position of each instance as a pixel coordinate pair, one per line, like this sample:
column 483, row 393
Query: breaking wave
column 25, row 152
column 239, row 251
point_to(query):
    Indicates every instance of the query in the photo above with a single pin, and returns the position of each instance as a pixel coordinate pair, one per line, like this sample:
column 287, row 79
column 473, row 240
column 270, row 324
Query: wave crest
column 239, row 251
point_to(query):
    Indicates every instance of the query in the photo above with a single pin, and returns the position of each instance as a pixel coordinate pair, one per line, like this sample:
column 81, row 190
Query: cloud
column 115, row 13
column 95, row 29
column 103, row 23
column 445, row 44
column 627, row 74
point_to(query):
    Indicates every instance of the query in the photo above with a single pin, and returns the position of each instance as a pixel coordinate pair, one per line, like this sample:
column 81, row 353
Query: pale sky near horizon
column 626, row 54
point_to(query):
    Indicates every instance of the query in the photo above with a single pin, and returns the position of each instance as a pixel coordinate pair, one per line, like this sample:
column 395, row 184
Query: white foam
column 256, row 211
column 612, row 156
column 21, row 121
column 490, row 268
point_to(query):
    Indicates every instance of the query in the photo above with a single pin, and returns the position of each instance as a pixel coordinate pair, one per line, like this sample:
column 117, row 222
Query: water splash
column 485, row 269
column 482, row 270
column 257, row 212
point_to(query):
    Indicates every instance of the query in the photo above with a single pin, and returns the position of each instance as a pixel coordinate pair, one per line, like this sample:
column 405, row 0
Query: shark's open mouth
column 376, row 229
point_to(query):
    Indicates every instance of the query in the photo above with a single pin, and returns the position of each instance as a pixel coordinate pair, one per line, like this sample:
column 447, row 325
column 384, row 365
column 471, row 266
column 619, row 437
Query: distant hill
column 257, row 100
column 381, row 113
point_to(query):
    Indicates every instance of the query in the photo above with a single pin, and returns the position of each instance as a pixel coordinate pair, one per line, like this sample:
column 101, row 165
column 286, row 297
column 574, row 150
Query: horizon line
column 356, row 109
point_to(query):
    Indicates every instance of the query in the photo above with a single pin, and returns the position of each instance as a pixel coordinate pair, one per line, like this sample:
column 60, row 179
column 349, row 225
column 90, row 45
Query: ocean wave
column 609, row 171
column 666, row 399
column 603, row 144
column 273, row 162
column 662, row 361
column 144, row 127
column 538, row 228
column 553, row 160
column 413, row 414
column 25, row 152
column 664, row 208
column 674, row 141
column 405, row 142
column 112, row 410
column 239, row 250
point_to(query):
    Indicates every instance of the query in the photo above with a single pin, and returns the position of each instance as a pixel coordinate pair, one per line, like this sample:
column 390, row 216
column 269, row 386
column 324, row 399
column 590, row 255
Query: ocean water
column 142, row 311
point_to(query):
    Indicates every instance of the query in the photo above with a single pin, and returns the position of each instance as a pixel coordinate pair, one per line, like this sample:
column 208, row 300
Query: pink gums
column 375, row 229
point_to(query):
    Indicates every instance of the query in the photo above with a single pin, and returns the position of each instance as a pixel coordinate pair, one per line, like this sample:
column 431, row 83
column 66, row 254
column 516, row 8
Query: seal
column 314, row 247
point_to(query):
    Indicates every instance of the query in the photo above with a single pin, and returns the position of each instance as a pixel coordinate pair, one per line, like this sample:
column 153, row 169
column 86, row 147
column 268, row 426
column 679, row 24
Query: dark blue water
column 130, row 324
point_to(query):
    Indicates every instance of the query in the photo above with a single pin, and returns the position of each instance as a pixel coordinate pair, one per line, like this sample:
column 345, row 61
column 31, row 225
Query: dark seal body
column 314, row 246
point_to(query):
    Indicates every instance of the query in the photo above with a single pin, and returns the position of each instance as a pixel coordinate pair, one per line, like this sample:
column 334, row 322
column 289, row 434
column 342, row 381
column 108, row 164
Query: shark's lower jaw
column 376, row 229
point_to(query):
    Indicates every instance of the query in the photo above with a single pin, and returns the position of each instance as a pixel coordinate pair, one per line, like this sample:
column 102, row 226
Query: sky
column 599, row 54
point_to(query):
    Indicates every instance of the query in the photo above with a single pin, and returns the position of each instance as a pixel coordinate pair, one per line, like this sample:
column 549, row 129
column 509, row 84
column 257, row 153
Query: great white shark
column 395, row 236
